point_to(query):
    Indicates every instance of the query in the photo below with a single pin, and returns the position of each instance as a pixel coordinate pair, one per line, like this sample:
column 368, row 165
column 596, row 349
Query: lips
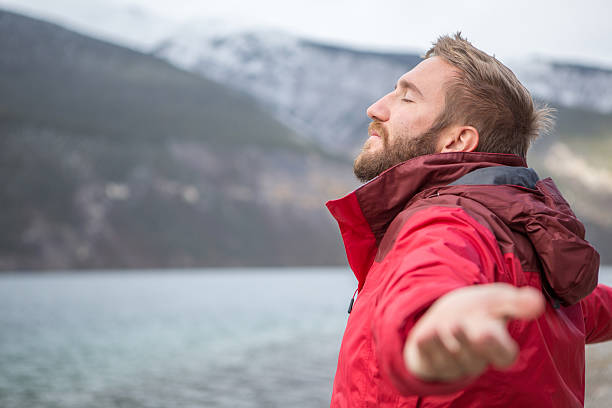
column 375, row 129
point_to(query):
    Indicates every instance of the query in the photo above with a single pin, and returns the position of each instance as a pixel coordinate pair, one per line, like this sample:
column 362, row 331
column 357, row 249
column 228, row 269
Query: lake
column 206, row 338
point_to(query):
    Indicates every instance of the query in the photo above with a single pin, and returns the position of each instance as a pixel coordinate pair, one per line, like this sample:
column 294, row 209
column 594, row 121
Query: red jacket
column 441, row 222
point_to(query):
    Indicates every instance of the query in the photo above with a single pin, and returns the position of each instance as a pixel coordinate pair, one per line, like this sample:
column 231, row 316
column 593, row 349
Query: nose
column 379, row 110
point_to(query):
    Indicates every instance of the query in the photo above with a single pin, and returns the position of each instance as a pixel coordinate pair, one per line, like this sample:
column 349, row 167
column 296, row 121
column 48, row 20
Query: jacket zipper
column 350, row 308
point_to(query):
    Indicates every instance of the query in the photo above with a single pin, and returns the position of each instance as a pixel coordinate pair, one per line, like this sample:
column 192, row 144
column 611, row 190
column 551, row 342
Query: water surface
column 213, row 338
column 221, row 338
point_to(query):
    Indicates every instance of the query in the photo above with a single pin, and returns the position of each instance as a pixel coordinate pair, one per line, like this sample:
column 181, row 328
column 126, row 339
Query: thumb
column 518, row 303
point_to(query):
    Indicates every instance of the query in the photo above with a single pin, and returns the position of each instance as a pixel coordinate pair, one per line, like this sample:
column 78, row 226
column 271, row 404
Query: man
column 476, row 287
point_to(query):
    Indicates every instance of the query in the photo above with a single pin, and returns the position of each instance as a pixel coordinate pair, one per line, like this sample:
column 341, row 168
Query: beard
column 369, row 164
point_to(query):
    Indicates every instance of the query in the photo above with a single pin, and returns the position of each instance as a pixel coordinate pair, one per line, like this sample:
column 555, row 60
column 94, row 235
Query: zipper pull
column 352, row 301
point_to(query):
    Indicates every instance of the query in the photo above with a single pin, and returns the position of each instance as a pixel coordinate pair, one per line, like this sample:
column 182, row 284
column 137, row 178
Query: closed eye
column 405, row 98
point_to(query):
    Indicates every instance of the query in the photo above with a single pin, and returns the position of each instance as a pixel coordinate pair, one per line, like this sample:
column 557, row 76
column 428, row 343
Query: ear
column 459, row 139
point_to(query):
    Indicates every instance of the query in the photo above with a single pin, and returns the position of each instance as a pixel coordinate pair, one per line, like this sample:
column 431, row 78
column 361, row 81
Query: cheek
column 419, row 121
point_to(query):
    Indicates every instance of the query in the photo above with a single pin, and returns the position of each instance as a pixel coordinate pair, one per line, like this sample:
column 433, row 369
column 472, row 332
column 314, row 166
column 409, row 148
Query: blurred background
column 165, row 165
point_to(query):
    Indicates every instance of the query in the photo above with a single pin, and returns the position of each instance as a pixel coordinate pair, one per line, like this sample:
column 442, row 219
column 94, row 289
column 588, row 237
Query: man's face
column 402, row 119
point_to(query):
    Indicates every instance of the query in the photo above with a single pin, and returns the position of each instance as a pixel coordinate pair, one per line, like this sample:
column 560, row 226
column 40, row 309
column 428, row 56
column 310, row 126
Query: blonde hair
column 487, row 95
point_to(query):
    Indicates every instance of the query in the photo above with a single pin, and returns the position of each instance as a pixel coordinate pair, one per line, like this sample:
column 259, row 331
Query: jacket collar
column 365, row 214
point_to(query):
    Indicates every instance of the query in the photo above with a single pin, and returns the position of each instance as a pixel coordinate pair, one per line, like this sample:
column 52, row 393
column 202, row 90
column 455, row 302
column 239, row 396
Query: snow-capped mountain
column 322, row 91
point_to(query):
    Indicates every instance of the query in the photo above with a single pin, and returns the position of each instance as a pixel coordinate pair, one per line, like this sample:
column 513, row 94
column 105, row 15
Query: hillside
column 112, row 158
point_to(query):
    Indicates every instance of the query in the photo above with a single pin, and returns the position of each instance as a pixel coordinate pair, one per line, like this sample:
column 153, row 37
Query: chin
column 371, row 148
column 365, row 154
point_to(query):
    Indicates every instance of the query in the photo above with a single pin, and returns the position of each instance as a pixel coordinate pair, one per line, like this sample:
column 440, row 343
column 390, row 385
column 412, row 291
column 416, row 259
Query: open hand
column 465, row 331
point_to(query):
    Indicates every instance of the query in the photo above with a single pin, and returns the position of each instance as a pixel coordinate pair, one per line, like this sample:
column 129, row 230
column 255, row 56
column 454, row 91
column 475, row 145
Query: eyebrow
column 409, row 85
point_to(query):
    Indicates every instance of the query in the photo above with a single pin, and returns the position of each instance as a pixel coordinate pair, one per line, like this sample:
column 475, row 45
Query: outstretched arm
column 597, row 312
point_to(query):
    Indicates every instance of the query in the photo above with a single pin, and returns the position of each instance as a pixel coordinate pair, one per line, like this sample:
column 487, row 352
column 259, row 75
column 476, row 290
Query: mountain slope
column 113, row 158
column 320, row 91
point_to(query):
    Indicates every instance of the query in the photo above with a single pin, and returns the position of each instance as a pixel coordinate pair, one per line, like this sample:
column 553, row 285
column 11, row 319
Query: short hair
column 487, row 95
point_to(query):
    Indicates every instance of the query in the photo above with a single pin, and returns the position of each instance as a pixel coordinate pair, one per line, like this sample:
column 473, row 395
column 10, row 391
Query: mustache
column 380, row 130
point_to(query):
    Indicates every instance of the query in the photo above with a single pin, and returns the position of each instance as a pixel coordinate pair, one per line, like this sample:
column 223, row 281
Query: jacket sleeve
column 437, row 250
column 597, row 313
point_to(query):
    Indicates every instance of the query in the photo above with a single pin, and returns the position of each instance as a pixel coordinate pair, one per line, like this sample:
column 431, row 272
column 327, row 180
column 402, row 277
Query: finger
column 493, row 343
column 441, row 364
column 472, row 362
column 516, row 303
column 447, row 336
column 502, row 350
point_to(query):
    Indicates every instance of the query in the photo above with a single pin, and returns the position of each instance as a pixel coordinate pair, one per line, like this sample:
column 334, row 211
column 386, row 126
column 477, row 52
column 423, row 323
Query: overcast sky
column 566, row 30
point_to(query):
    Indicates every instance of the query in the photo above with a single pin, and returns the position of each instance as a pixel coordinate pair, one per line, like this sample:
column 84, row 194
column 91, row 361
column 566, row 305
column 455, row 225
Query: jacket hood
column 536, row 208
column 500, row 182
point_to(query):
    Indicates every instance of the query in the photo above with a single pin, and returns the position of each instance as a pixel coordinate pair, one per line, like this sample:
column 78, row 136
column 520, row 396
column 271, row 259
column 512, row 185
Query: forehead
column 429, row 76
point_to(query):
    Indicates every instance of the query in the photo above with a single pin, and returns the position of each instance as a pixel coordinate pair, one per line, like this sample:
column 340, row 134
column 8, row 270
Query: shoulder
column 436, row 213
column 442, row 226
